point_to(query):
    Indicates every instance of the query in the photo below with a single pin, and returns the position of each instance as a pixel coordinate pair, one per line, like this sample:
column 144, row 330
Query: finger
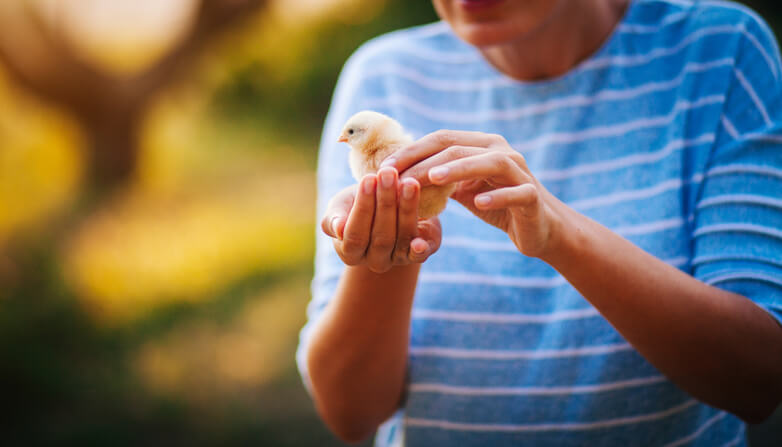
column 465, row 194
column 338, row 226
column 339, row 206
column 523, row 196
column 330, row 224
column 326, row 225
column 471, row 186
column 383, row 236
column 503, row 168
column 334, row 225
column 436, row 142
column 419, row 250
column 420, row 171
column 427, row 242
column 407, row 220
column 359, row 222
column 431, row 232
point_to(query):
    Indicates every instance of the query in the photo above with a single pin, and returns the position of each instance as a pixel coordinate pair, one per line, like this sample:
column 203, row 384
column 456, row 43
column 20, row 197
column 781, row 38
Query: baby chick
column 373, row 137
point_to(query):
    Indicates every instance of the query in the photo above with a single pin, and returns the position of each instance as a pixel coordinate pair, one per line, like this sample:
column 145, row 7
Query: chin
column 488, row 35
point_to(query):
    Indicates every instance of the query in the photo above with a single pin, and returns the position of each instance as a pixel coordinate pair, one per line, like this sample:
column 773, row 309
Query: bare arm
column 718, row 346
column 358, row 354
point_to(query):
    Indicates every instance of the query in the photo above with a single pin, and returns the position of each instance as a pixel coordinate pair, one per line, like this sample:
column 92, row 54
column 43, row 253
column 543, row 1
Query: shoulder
column 702, row 31
column 725, row 21
column 746, row 23
column 697, row 12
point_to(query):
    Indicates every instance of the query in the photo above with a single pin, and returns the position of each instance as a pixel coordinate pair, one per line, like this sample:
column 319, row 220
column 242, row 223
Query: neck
column 574, row 32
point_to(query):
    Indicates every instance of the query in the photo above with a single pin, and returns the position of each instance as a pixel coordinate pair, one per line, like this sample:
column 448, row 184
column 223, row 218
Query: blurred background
column 157, row 217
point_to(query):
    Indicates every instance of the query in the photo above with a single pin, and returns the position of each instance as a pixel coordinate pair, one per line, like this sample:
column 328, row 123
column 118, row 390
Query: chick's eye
column 350, row 131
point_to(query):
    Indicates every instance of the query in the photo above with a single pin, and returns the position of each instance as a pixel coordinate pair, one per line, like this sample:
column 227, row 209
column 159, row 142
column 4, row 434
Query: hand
column 493, row 181
column 375, row 223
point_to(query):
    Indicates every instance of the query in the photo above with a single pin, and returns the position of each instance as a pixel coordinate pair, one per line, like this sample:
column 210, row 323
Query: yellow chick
column 373, row 137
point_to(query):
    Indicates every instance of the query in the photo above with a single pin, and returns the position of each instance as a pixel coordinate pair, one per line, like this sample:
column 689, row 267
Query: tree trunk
column 112, row 153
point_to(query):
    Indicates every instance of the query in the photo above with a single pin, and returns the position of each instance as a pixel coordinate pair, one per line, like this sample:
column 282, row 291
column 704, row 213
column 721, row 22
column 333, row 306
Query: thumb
column 333, row 225
column 336, row 216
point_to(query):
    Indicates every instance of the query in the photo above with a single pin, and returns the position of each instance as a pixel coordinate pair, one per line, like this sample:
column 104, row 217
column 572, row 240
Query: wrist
column 567, row 238
column 362, row 287
column 363, row 272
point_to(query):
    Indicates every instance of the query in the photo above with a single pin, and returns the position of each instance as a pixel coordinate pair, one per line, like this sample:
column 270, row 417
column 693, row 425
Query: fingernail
column 418, row 248
column 334, row 226
column 483, row 200
column 438, row 172
column 388, row 162
column 387, row 178
column 369, row 185
column 408, row 191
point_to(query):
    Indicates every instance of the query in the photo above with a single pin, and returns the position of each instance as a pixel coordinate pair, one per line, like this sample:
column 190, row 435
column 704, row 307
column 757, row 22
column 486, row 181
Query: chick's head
column 365, row 130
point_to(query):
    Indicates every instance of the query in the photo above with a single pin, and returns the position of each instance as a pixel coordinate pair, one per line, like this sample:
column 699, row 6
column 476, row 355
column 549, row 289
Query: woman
column 611, row 275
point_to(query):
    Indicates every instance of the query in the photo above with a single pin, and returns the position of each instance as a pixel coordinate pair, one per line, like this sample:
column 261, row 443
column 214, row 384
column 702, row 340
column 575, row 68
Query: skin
column 693, row 333
column 376, row 233
column 534, row 39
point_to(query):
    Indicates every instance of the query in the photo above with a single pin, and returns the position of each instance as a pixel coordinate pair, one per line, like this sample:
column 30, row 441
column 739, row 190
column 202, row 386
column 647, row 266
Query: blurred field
column 155, row 297
column 163, row 307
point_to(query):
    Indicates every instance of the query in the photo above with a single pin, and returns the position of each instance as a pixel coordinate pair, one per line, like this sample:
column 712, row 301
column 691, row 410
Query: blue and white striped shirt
column 669, row 135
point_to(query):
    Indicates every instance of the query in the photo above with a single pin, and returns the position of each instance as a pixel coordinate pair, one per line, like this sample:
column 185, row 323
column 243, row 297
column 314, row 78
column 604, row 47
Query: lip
column 478, row 5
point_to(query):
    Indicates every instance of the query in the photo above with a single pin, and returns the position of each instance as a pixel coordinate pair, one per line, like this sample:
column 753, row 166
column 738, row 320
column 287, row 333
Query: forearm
column 718, row 346
column 358, row 353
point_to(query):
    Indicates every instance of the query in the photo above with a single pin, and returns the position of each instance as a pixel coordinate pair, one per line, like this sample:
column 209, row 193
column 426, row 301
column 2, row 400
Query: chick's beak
column 342, row 138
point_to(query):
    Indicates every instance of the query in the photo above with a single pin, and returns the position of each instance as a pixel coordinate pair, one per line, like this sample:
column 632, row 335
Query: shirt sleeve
column 333, row 175
column 738, row 217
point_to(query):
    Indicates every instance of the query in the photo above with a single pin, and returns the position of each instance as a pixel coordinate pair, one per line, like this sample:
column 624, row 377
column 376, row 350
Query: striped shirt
column 669, row 135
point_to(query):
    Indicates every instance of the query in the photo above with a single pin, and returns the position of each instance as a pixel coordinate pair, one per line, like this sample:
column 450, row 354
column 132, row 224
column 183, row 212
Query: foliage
column 266, row 89
column 168, row 314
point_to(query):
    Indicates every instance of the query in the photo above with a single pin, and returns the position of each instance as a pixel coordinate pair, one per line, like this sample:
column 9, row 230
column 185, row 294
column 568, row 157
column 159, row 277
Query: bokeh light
column 156, row 297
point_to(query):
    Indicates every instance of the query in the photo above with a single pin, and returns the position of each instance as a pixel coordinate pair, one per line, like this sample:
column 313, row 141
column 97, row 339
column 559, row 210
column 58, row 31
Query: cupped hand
column 375, row 223
column 493, row 181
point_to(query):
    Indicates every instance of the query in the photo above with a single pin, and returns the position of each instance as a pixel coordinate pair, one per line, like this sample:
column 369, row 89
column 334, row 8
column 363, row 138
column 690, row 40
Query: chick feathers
column 372, row 138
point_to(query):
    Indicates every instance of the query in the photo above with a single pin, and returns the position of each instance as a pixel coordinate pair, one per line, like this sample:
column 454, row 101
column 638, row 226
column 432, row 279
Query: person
column 608, row 269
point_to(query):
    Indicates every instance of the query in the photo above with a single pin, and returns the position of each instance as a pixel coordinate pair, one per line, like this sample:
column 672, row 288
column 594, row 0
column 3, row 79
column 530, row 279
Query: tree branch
column 39, row 58
column 212, row 17
column 109, row 107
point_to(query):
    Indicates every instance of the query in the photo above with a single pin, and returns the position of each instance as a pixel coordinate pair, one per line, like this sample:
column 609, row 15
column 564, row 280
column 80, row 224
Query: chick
column 373, row 137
